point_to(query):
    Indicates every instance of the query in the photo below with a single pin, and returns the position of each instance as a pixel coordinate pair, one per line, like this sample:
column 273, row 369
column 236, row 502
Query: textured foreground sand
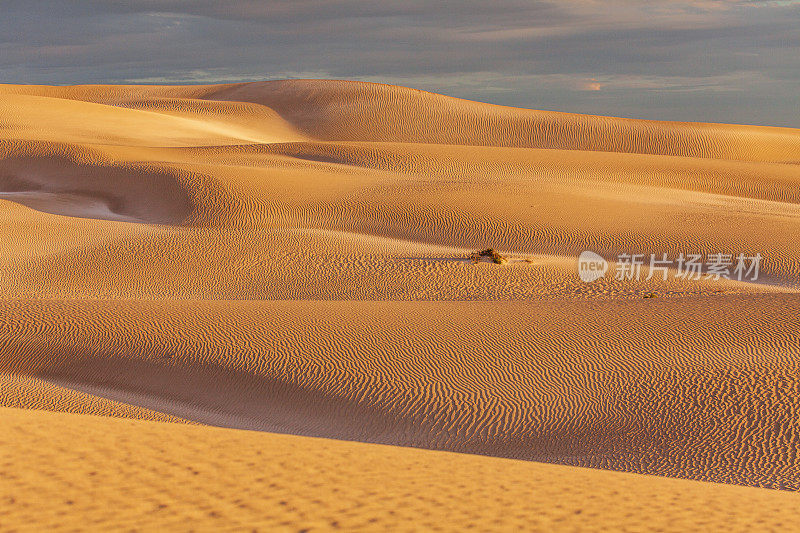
column 291, row 257
column 104, row 473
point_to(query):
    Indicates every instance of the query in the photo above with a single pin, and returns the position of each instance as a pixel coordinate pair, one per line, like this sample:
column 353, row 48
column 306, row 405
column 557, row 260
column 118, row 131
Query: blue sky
column 710, row 60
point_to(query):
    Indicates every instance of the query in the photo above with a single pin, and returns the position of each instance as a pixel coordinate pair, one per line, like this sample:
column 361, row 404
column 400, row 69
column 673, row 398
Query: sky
column 726, row 61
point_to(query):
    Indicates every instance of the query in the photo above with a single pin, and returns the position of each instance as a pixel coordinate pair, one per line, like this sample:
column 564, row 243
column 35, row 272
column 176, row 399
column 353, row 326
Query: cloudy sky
column 709, row 60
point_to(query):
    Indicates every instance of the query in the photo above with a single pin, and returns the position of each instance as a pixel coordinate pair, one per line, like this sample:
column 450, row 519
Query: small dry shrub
column 490, row 253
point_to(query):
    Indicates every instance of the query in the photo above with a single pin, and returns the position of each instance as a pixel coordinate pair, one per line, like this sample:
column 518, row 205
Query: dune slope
column 133, row 475
column 679, row 386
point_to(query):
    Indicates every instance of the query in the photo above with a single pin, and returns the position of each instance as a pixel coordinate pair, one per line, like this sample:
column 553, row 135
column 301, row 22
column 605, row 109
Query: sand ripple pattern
column 703, row 388
column 291, row 257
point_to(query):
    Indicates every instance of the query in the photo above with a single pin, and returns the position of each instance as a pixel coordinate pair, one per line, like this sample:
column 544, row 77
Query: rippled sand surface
column 293, row 257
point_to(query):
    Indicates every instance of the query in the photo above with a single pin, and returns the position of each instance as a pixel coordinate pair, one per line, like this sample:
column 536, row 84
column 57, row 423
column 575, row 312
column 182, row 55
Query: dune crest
column 357, row 111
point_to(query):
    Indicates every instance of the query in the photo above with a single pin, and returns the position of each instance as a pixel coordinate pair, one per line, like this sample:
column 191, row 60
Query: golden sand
column 293, row 257
column 77, row 472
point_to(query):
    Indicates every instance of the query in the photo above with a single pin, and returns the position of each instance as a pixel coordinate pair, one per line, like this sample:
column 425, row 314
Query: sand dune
column 682, row 386
column 375, row 112
column 134, row 475
column 293, row 257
